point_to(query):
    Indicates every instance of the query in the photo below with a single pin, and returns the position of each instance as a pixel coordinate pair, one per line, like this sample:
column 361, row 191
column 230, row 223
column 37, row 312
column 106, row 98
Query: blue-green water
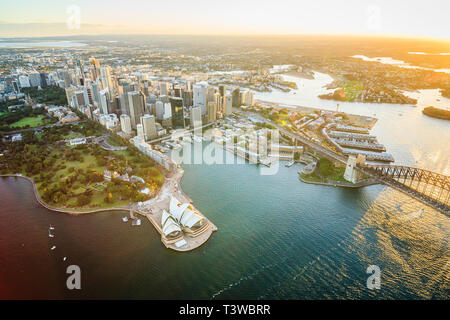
column 278, row 238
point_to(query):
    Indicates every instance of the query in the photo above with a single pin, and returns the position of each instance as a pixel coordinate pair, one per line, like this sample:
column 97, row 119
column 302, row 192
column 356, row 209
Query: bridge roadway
column 442, row 207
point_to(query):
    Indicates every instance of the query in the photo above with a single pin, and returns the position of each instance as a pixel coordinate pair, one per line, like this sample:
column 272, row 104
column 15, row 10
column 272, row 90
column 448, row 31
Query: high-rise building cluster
column 138, row 102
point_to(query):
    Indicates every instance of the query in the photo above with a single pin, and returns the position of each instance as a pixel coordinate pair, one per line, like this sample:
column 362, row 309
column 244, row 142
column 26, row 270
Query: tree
column 83, row 199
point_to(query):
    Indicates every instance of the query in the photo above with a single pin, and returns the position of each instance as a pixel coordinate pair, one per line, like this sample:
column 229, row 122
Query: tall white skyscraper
column 159, row 110
column 212, row 111
column 105, row 77
column 196, row 117
column 104, row 102
column 167, row 111
column 250, row 98
column 24, row 81
column 149, row 126
column 140, row 131
column 200, row 97
column 228, row 104
column 163, row 88
column 125, row 123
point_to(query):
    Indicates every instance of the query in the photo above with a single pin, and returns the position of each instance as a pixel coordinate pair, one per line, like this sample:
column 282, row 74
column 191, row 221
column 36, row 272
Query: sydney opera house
column 182, row 219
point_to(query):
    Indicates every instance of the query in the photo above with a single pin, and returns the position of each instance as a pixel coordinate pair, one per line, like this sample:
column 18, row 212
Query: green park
column 85, row 176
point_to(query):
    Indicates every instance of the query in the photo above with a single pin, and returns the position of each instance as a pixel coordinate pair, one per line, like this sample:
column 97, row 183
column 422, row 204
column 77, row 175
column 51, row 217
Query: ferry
column 290, row 163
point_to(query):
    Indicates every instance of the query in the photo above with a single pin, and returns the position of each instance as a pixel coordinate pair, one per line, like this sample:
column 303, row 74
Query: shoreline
column 61, row 210
column 160, row 198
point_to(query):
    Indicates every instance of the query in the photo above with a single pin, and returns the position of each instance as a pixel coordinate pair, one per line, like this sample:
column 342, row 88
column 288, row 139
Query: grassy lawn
column 327, row 173
column 73, row 135
column 112, row 140
column 310, row 177
column 30, row 121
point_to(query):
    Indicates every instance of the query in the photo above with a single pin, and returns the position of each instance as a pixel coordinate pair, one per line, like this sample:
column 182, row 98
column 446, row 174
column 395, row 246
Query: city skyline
column 378, row 18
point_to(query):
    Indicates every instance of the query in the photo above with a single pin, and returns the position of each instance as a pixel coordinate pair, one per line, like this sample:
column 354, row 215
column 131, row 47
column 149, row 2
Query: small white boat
column 290, row 163
column 136, row 222
column 125, row 219
column 53, row 248
column 51, row 228
column 50, row 235
column 65, row 258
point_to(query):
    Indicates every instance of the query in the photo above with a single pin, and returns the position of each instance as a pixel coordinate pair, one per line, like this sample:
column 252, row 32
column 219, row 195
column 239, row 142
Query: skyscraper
column 104, row 102
column 228, row 104
column 196, row 117
column 80, row 99
column 149, row 126
column 44, row 82
column 24, row 81
column 125, row 123
column 236, row 98
column 96, row 91
column 140, row 131
column 95, row 67
column 164, row 88
column 187, row 98
column 222, row 90
column 105, row 77
column 35, row 79
column 250, row 98
column 136, row 101
column 177, row 112
column 212, row 111
column 199, row 93
column 159, row 110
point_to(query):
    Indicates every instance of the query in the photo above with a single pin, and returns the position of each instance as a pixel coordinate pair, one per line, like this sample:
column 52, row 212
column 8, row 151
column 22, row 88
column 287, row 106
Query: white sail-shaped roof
column 164, row 217
column 173, row 204
column 170, row 227
column 192, row 220
column 168, row 223
column 186, row 215
column 176, row 208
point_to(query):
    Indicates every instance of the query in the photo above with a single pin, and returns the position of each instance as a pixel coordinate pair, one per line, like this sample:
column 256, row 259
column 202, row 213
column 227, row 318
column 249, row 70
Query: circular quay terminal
column 224, row 160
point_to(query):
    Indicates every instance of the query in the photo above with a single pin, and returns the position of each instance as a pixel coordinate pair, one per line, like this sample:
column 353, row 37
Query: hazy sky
column 395, row 17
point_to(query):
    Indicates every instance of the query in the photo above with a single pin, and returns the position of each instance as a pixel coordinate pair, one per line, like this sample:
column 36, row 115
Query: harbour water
column 278, row 238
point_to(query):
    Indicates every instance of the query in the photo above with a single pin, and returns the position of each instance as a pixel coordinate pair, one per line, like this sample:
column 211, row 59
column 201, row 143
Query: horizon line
column 368, row 35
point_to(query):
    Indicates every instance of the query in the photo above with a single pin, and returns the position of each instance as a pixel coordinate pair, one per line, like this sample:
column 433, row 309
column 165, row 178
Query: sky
column 412, row 18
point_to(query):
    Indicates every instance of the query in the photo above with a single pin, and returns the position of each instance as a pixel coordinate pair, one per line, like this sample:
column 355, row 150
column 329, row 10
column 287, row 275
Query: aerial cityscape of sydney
column 237, row 150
